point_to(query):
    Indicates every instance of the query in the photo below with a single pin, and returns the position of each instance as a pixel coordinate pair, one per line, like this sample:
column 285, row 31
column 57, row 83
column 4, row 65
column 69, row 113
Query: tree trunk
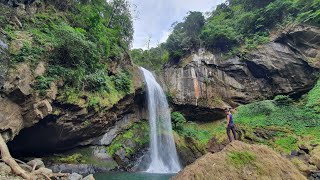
column 7, row 158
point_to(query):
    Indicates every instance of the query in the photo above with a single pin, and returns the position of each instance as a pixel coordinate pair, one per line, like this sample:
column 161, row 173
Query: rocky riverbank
column 38, row 170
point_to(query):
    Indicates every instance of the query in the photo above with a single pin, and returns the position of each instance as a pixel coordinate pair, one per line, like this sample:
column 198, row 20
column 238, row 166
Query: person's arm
column 228, row 120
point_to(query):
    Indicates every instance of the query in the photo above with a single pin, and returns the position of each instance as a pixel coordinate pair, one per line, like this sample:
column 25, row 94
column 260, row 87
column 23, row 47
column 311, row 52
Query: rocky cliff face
column 37, row 122
column 49, row 125
column 203, row 82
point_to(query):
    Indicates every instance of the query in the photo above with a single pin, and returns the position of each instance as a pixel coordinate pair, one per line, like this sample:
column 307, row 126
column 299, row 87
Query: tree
column 185, row 36
column 7, row 158
column 153, row 58
column 121, row 19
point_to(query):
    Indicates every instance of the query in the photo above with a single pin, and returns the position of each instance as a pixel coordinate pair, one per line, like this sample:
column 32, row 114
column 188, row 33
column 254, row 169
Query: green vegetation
column 123, row 82
column 152, row 59
column 281, row 123
column 131, row 139
column 81, row 156
column 248, row 23
column 291, row 123
column 240, row 159
column 283, row 100
column 72, row 159
column 177, row 120
column 185, row 36
column 313, row 100
column 286, row 143
column 199, row 133
column 234, row 27
column 77, row 41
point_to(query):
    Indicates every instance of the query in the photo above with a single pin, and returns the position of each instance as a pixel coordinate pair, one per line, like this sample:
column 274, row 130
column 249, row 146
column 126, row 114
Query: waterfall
column 163, row 153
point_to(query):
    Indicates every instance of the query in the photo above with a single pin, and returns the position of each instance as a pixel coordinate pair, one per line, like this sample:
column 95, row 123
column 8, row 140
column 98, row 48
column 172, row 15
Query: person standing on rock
column 230, row 125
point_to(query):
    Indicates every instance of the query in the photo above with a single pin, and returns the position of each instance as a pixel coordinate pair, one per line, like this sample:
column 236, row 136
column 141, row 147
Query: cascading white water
column 164, row 158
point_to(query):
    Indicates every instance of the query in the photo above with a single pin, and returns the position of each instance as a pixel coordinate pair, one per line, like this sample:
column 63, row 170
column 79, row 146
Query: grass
column 294, row 122
column 240, row 159
column 201, row 134
column 286, row 143
column 284, row 124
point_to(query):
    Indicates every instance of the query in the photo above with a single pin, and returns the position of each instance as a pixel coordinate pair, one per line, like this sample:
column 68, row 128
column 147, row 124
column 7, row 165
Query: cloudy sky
column 153, row 18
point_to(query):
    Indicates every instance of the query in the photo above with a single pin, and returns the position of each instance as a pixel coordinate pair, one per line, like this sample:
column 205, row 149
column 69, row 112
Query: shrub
column 257, row 108
column 221, row 37
column 43, row 83
column 122, row 82
column 284, row 100
column 74, row 50
column 98, row 81
column 178, row 121
column 29, row 52
column 189, row 132
column 252, row 42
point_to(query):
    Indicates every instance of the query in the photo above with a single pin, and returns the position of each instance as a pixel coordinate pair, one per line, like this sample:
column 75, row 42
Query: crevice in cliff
column 200, row 114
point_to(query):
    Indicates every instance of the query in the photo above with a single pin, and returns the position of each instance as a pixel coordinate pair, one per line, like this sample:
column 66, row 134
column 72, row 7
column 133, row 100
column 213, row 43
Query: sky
column 153, row 18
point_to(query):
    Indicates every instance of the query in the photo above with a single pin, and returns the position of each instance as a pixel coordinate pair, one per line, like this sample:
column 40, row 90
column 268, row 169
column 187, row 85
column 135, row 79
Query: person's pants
column 233, row 129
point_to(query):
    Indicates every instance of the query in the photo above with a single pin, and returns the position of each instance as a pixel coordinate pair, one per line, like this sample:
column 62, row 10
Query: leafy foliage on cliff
column 183, row 40
column 250, row 22
column 153, row 58
column 77, row 40
column 185, row 36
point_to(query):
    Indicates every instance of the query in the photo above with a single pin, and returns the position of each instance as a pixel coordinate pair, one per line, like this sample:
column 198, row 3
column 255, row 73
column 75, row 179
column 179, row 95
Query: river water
column 132, row 176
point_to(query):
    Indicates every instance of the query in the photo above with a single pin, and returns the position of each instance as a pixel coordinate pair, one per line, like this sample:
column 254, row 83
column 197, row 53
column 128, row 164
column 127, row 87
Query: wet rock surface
column 83, row 169
column 204, row 80
column 75, row 176
column 68, row 130
column 315, row 175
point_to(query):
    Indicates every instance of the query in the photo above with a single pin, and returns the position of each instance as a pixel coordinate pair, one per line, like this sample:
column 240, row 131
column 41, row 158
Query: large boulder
column 202, row 84
column 241, row 161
